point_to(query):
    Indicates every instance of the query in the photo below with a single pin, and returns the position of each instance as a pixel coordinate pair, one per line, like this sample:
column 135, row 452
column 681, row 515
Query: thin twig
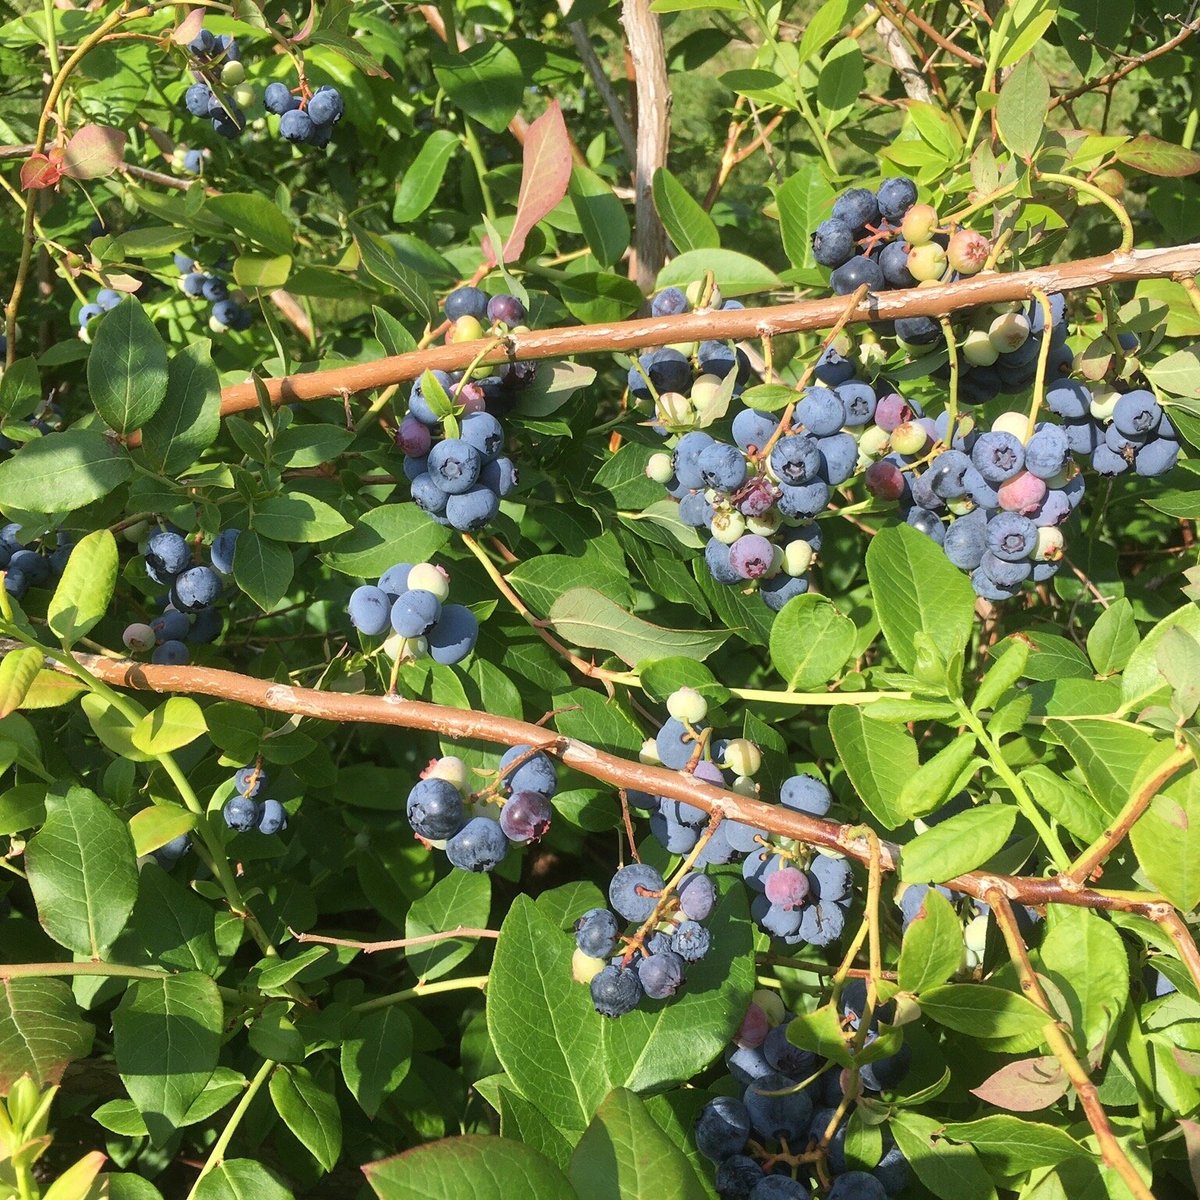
column 396, row 943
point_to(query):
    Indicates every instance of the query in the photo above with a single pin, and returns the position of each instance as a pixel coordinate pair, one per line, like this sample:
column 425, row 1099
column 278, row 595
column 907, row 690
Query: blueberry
column 926, row 522
column 525, row 817
column 833, row 368
column 454, row 465
column 1011, row 537
column 857, row 208
column 776, row 1117
column 822, row 923
column 821, row 412
column 394, row 581
column 786, row 1058
column 370, row 610
column 839, row 457
column 1069, row 399
column 479, row 846
column 669, row 371
column 32, row 565
column 228, row 124
column 171, row 653
column 273, row 819
column 466, row 302
column 830, row 879
column 856, row 1185
column 696, row 896
column 885, row 1073
column 414, row 612
column 691, row 941
column 895, row 196
column 214, row 289
column 454, row 635
column 806, row 794
column 716, row 558
column 997, row 456
column 536, row 773
column 1047, row 452
column 752, row 428
column 795, row 459
column 203, row 44
column 686, row 458
column 737, row 1177
column 472, row 511
column 506, row 310
column 296, row 126
column 108, row 299
column 833, row 243
column 616, row 991
column 278, row 99
column 326, row 106
column 722, row 1128
column 853, row 273
column 198, row 100
column 195, row 588
column 596, row 933
column 627, row 887
column 193, row 283
column 1137, row 414
column 722, row 467
column 242, row 814
column 946, row 474
column 171, row 626
column 250, row 780
column 428, row 495
column 661, row 974
column 918, row 331
column 167, row 554
column 500, row 476
column 435, row 809
column 965, row 542
column 169, row 854
column 780, row 1187
column 1156, row 457
column 670, row 302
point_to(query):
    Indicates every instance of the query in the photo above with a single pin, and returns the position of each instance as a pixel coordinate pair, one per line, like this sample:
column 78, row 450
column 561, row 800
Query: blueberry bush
column 599, row 601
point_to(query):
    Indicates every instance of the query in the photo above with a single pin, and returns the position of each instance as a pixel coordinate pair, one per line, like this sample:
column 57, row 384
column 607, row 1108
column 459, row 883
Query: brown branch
column 889, row 32
column 463, row 724
column 643, row 36
column 1083, row 867
column 397, row 943
column 608, row 93
column 932, row 34
column 1133, row 64
column 1181, row 937
column 1085, row 1089
column 631, row 336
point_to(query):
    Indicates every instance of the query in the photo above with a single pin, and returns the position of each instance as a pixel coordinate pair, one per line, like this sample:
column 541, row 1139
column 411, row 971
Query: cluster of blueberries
column 190, row 612
column 801, row 907
column 476, row 829
column 996, row 501
column 200, row 284
column 667, row 934
column 785, row 1100
column 305, row 120
column 245, row 812
column 460, row 479
column 34, row 564
column 885, row 239
column 220, row 94
column 106, row 300
column 410, row 600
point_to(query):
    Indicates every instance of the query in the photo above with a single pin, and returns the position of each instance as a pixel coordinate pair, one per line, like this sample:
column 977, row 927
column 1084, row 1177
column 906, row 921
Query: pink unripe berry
column 892, row 411
column 1022, row 493
column 884, row 481
column 787, row 888
column 753, row 1030
column 968, row 252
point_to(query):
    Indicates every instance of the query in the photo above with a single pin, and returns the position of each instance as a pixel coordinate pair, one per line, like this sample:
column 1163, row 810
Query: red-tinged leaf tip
column 545, row 174
column 40, row 171
column 305, row 31
column 187, row 29
column 93, row 152
column 1153, row 156
column 1025, row 1086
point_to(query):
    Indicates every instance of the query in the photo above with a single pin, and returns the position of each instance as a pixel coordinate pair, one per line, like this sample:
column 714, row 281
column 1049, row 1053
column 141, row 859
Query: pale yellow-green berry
column 1104, row 401
column 687, row 705
column 585, row 968
column 771, row 1004
column 1016, row 423
column 1049, row 544
column 766, row 524
column 727, row 526
column 245, row 96
column 873, row 442
column 975, row 934
column 233, row 73
column 425, row 577
column 978, row 349
column 742, row 757
column 648, row 754
column 674, row 409
column 745, row 786
column 797, row 557
column 659, row 468
column 1009, row 332
column 453, row 770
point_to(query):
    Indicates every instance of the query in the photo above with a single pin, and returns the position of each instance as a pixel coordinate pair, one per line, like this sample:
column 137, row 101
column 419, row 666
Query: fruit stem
column 217, row 1155
column 422, row 989
column 952, row 409
column 1039, row 383
column 1111, row 203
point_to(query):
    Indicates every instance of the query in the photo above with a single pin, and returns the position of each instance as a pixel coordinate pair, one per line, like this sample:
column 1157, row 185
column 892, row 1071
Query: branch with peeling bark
column 805, row 316
column 461, row 724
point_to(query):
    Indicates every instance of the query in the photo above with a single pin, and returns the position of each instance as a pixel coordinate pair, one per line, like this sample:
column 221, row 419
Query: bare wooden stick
column 396, row 943
column 629, row 336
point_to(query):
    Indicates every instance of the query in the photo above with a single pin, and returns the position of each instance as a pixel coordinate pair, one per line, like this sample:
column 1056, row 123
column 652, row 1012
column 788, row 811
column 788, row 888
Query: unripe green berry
column 675, row 410
column 585, row 968
column 695, row 293
column 874, row 441
column 797, row 557
column 919, row 225
column 909, row 438
column 1050, row 544
column 771, row 1004
column 465, row 329
column 745, row 786
column 1016, row 423
column 1104, row 401
column 975, row 934
column 659, row 468
column 244, row 96
column 727, row 526
column 961, row 506
column 648, row 754
column 233, row 73
column 1009, row 332
column 742, row 756
column 927, row 263
column 687, row 705
column 452, row 769
column 766, row 524
column 425, row 577
column 978, row 349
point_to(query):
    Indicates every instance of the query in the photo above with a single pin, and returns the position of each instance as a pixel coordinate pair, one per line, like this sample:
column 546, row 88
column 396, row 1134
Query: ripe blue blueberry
column 895, row 196
column 500, row 476
column 242, row 814
column 775, row 1117
column 536, row 772
column 857, row 207
column 278, row 99
column 722, row 1128
column 737, row 1177
column 506, row 310
column 221, row 551
column 821, row 412
column 696, row 896
column 214, row 289
column 853, row 273
column 1011, row 537
column 473, row 510
column 273, row 819
column 616, row 991
column 370, row 610
column 856, row 1185
column 454, row 635
column 661, row 974
column 633, row 891
column 721, row 467
column 198, row 100
column 1047, row 453
column 670, row 302
column 596, row 933
column 296, row 126
column 795, row 459
column 326, row 106
column 466, row 302
column 479, row 846
column 195, row 588
column 167, row 554
column 414, row 612
column 454, row 465
column 833, row 243
column 435, row 809
column 691, row 941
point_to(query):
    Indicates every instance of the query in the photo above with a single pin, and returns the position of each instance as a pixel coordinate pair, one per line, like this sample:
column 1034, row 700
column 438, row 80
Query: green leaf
column 485, row 81
column 839, row 83
column 1087, row 25
column 736, row 274
column 390, row 534
column 957, row 844
column 310, row 1111
column 167, row 1038
column 1029, row 20
column 20, row 389
column 82, row 872
column 1085, row 957
column 932, row 949
column 939, row 778
column 482, row 1168
column 419, row 184
column 564, row 1058
column 1008, row 667
column 686, row 223
column 461, row 898
column 188, row 423
column 297, row 517
column 824, row 25
column 262, row 270
column 594, row 297
column 1018, row 1145
column 917, row 589
column 384, row 264
column 1022, row 108
column 127, row 368
column 879, row 759
column 241, row 1179
column 587, row 618
column 1113, row 638
column 174, row 724
column 40, row 1031
column 256, row 218
column 158, row 824
column 810, row 642
column 377, row 1054
column 262, row 569
column 1166, row 840
column 83, row 593
column 525, row 1122
column 982, row 1011
column 62, row 472
column 803, row 201
column 1066, row 803
column 601, row 215
column 624, row 1155
column 18, row 670
column 946, row 1171
column 1155, row 157
column 1108, row 754
column 1142, row 677
column 171, row 926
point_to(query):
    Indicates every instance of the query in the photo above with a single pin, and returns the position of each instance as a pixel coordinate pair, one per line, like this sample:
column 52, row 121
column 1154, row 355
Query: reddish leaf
column 1191, row 1139
column 94, row 151
column 1156, row 157
column 41, row 171
column 1025, row 1086
column 545, row 174
column 305, row 31
column 187, row 29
